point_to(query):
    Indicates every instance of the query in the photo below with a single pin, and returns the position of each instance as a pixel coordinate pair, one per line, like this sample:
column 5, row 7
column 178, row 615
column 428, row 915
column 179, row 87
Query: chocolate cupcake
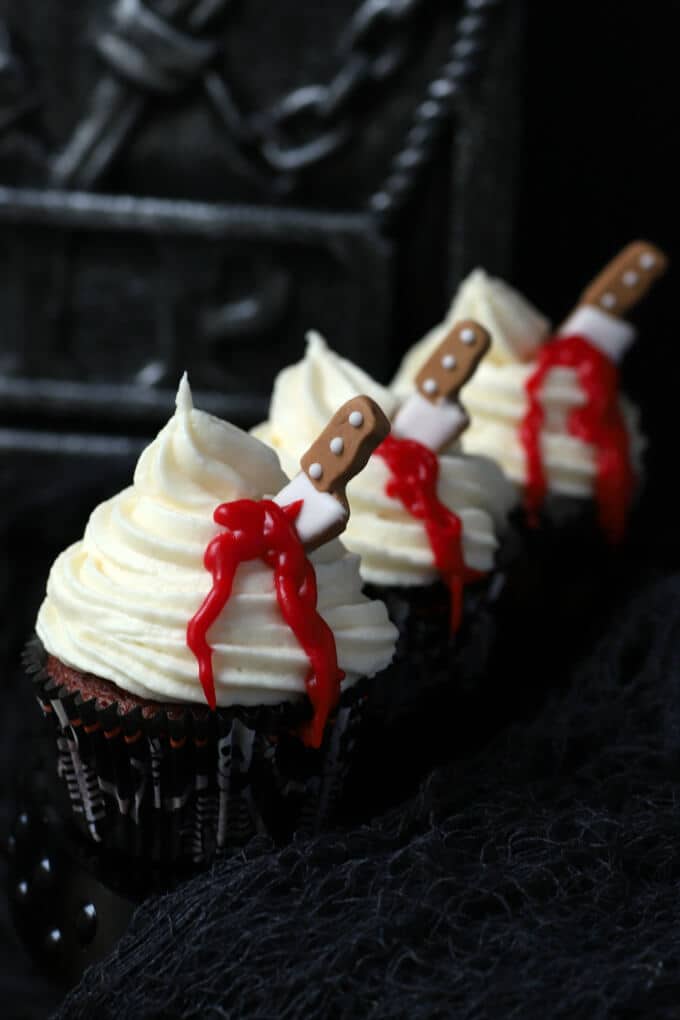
column 202, row 674
column 435, row 560
column 550, row 411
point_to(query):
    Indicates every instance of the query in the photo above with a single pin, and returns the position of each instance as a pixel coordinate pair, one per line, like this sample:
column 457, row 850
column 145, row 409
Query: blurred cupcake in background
column 549, row 409
column 434, row 555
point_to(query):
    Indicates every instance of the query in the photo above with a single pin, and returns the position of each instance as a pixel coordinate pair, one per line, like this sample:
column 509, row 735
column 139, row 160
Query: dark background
column 592, row 164
column 600, row 167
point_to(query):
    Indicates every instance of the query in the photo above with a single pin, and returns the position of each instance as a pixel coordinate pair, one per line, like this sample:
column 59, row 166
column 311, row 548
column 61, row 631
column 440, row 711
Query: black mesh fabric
column 537, row 878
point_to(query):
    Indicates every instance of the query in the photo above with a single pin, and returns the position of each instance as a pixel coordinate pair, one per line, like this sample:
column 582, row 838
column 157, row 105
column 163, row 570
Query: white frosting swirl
column 517, row 328
column 495, row 397
column 393, row 546
column 118, row 602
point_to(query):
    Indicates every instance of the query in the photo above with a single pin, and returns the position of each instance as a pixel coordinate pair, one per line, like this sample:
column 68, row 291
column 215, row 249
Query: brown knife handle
column 626, row 279
column 454, row 361
column 344, row 446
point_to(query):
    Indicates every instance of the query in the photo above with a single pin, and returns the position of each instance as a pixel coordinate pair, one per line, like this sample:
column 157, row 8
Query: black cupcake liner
column 428, row 656
column 444, row 694
column 431, row 703
column 187, row 784
column 571, row 574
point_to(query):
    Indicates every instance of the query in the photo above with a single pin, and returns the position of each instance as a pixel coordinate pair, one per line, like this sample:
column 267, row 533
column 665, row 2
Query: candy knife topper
column 432, row 415
column 339, row 453
column 613, row 293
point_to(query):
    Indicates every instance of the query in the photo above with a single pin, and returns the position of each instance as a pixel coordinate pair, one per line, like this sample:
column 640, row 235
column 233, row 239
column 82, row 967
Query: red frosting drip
column 599, row 423
column 415, row 472
column 263, row 530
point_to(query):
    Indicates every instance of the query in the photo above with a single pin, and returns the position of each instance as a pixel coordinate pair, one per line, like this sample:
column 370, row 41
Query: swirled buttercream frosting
column 496, row 396
column 119, row 600
column 393, row 546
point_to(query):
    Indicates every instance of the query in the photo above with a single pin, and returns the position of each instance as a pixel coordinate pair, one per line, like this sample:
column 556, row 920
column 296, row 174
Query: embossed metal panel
column 195, row 183
column 127, row 293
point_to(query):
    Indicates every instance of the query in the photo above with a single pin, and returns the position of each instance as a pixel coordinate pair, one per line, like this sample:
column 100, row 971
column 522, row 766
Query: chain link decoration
column 153, row 54
column 161, row 47
column 373, row 48
column 464, row 59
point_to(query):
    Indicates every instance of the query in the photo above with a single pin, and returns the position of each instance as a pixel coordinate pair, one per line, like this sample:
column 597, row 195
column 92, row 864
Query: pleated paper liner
column 428, row 654
column 443, row 693
column 167, row 783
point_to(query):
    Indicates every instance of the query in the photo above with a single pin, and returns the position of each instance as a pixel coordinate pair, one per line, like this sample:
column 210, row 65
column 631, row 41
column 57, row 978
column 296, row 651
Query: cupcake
column 436, row 559
column 203, row 671
column 548, row 409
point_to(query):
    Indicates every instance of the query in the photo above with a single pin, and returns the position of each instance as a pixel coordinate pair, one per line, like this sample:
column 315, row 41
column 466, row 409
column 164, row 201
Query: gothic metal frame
column 160, row 55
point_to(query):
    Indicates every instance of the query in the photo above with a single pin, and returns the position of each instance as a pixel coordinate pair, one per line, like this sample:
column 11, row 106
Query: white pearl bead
column 337, row 445
column 315, row 470
column 630, row 278
column 608, row 300
column 430, row 386
column 468, row 335
column 356, row 419
column 647, row 260
column 449, row 362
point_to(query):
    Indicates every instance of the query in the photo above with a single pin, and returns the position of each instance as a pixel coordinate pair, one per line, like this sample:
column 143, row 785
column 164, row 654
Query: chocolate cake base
column 571, row 571
column 171, row 784
column 428, row 655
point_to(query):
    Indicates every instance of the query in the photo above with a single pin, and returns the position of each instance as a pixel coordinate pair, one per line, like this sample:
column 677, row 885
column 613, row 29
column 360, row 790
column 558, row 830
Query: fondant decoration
column 592, row 342
column 306, row 513
column 598, row 422
column 339, row 453
column 414, row 473
column 429, row 420
column 432, row 415
column 261, row 529
column 626, row 279
column 613, row 292
column 611, row 336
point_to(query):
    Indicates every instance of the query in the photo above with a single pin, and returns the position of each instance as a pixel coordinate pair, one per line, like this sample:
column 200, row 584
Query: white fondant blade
column 322, row 515
column 433, row 425
column 610, row 335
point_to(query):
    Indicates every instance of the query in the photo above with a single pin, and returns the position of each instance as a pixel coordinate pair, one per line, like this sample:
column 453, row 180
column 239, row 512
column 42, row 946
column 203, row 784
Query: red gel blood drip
column 263, row 530
column 599, row 423
column 415, row 472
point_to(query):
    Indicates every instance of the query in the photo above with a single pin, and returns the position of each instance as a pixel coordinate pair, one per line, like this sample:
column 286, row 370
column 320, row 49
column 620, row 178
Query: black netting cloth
column 539, row 877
